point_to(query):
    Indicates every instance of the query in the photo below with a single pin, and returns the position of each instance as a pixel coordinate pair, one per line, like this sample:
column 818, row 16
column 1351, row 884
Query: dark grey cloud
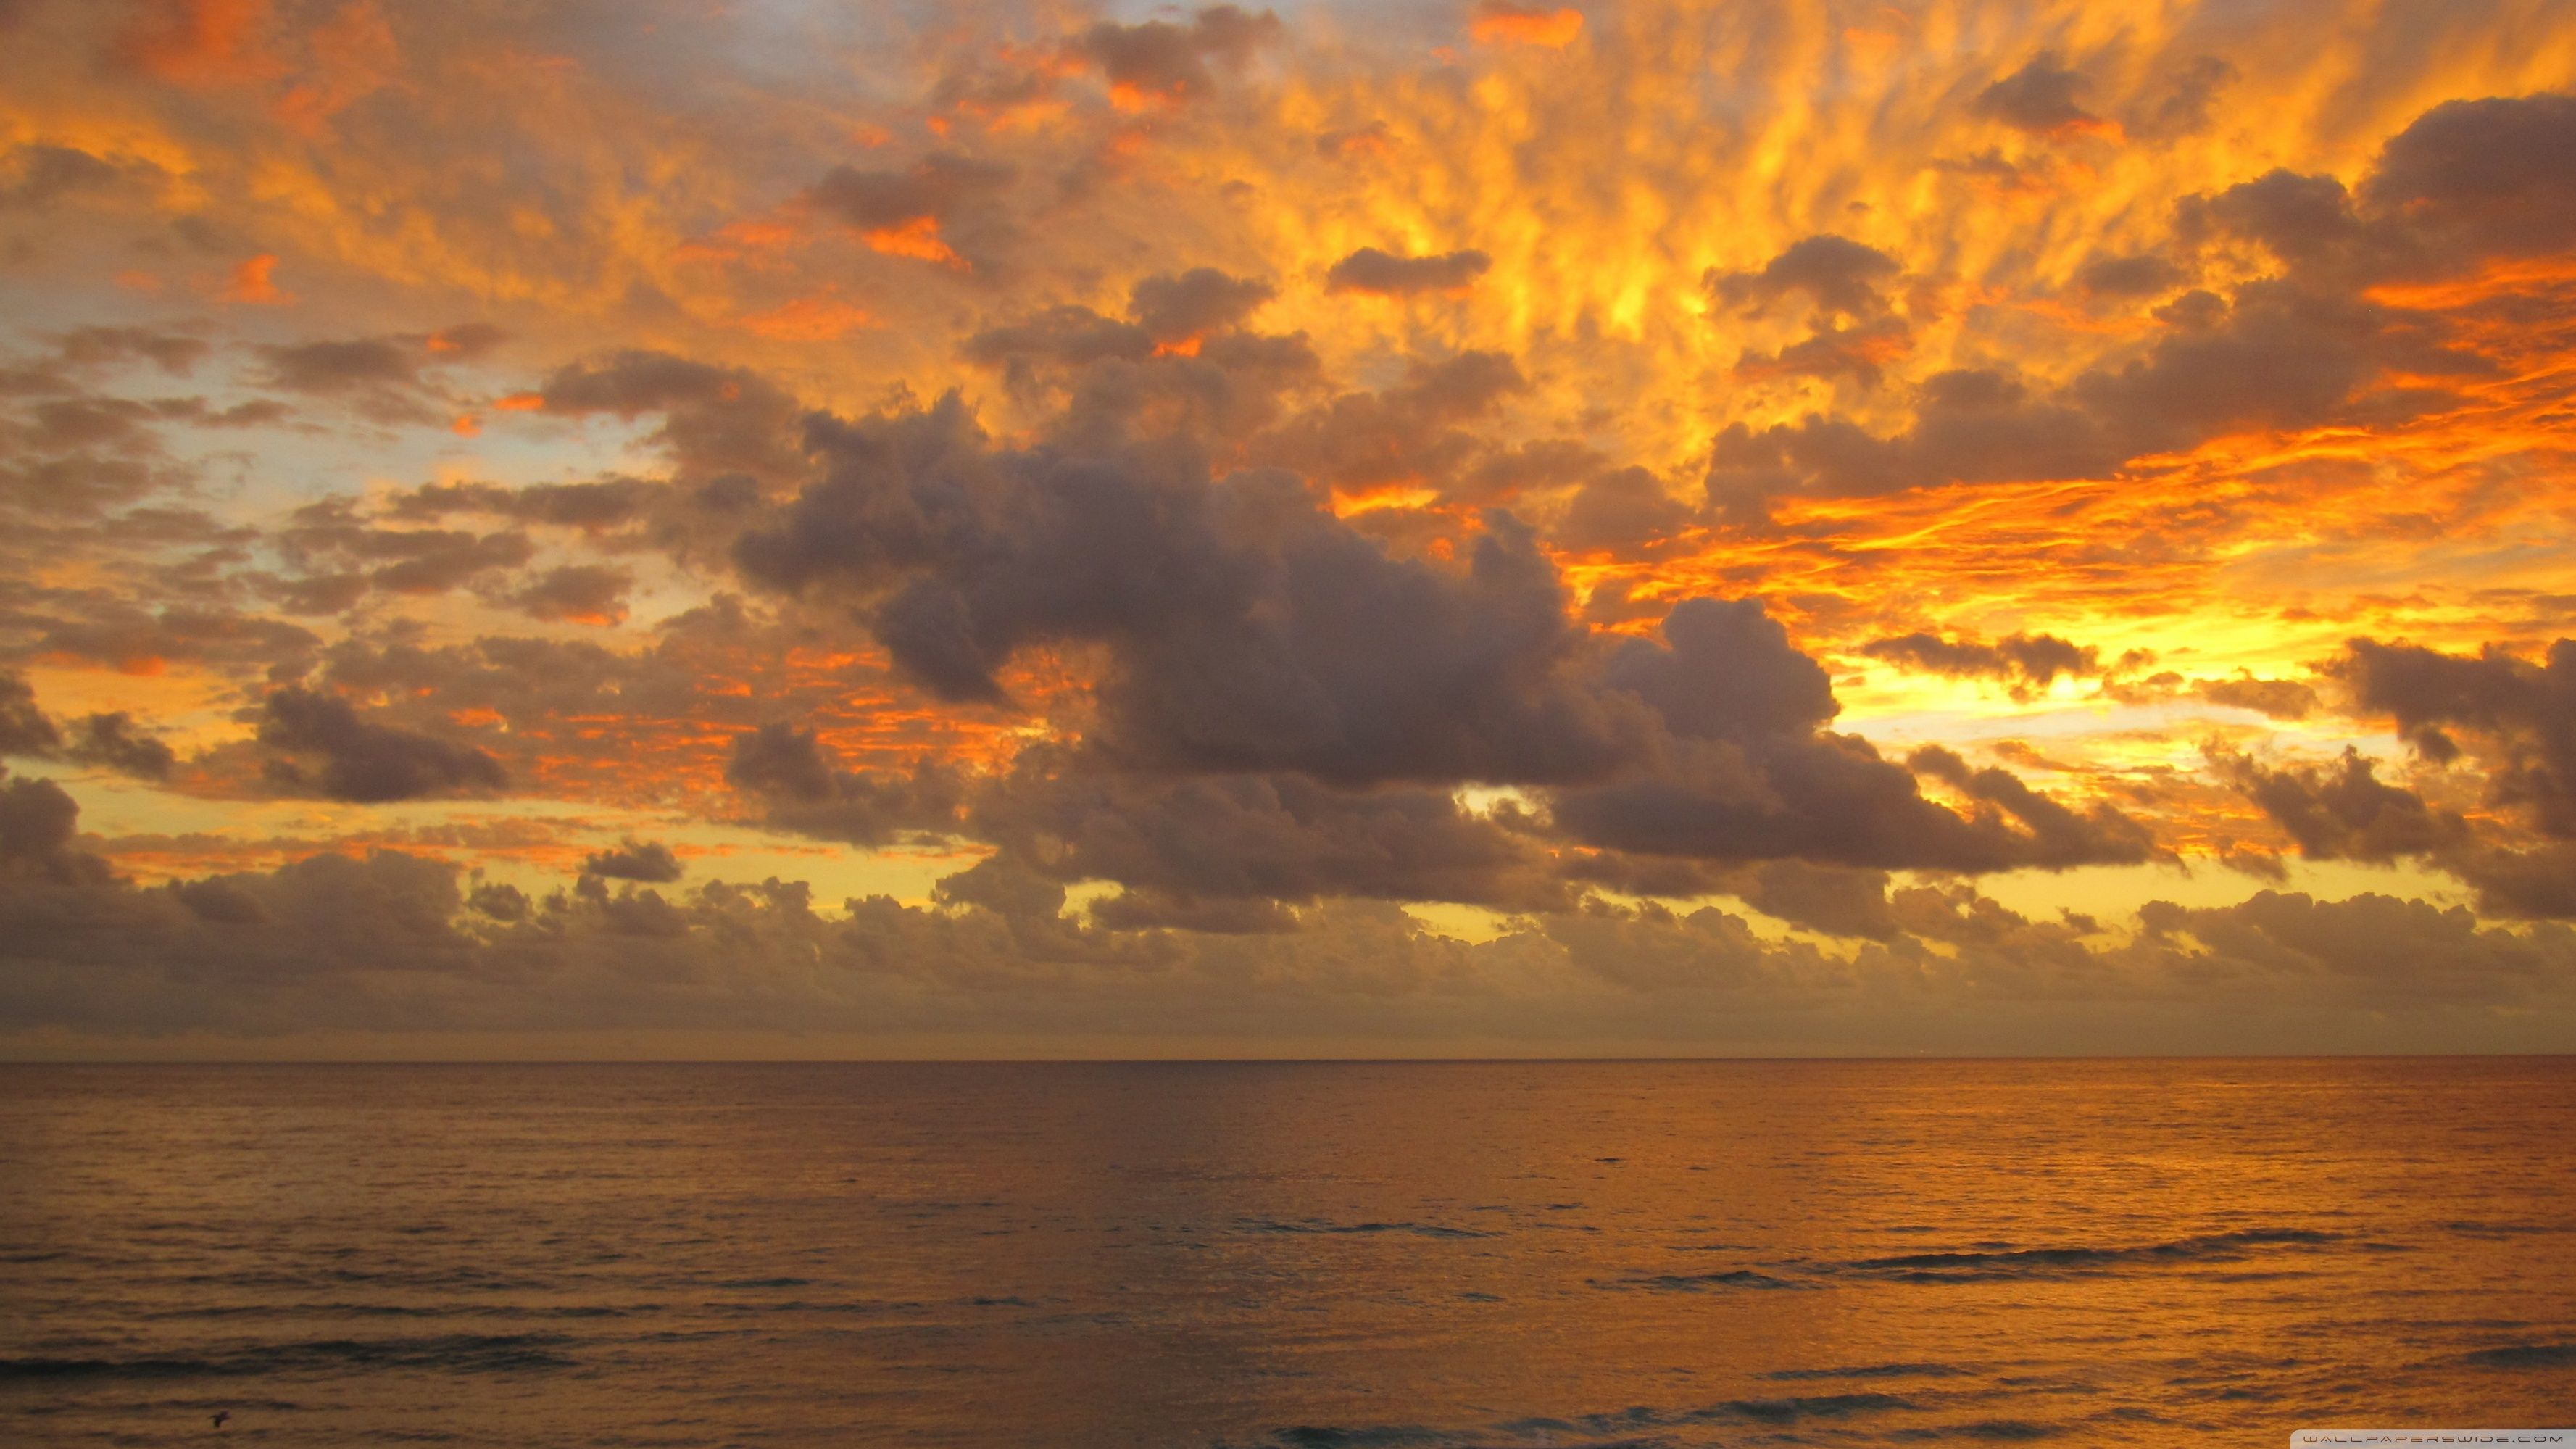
column 389, row 378
column 586, row 593
column 1970, row 426
column 2277, row 698
column 1163, row 59
column 316, row 594
column 2057, row 836
column 1724, row 669
column 1250, row 633
column 2533, row 883
column 219, row 901
column 1250, row 629
column 332, row 538
column 500, row 901
column 2182, row 107
column 1181, row 365
column 39, row 825
column 1622, row 510
column 2027, row 660
column 2278, row 357
column 369, row 762
column 175, row 353
column 2138, row 275
column 593, row 507
column 1834, row 900
column 1860, row 353
column 114, row 741
column 39, row 176
column 1180, row 843
column 118, row 635
column 1416, row 432
column 2372, row 949
column 2481, row 178
column 1060, row 336
column 1751, row 774
column 393, row 942
column 809, row 793
column 1387, row 274
column 2305, row 348
column 24, row 728
column 637, row 860
column 779, row 759
column 2343, row 812
column 2303, row 220
column 1173, row 307
column 1838, row 276
column 2516, row 720
column 2464, row 182
column 2043, row 97
column 715, row 420
column 946, row 201
column 340, row 366
column 2518, row 717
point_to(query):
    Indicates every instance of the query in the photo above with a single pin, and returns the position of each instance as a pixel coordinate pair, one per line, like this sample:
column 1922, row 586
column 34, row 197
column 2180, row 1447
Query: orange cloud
column 354, row 55
column 200, row 42
column 819, row 318
column 753, row 241
column 254, row 283
column 917, row 238
column 1499, row 22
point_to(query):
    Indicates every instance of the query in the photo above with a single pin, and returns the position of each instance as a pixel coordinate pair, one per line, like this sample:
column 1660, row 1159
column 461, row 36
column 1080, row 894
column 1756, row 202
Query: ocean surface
column 1502, row 1254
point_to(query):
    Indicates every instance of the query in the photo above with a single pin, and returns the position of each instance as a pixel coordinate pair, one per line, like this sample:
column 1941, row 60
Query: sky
column 763, row 528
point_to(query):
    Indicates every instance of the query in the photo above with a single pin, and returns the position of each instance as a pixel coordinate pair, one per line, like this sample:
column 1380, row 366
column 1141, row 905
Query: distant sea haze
column 2088, row 1253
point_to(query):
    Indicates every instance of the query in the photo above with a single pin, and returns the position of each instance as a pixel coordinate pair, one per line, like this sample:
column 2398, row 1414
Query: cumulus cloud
column 115, row 741
column 1751, row 774
column 2042, row 97
column 810, row 794
column 1387, row 274
column 2026, row 660
column 1861, row 353
column 1836, row 275
column 2310, row 346
column 1626, row 509
column 393, row 942
column 2285, row 699
column 110, row 739
column 580, row 593
column 2520, row 717
column 1161, row 59
column 1182, row 843
column 594, row 507
column 2343, row 812
column 2373, row 948
column 2479, row 178
column 39, row 823
column 363, row 761
column 715, row 420
column 2140, row 275
column 1251, row 628
column 636, row 860
column 24, row 728
column 1213, row 643
column 1177, row 306
column 925, row 211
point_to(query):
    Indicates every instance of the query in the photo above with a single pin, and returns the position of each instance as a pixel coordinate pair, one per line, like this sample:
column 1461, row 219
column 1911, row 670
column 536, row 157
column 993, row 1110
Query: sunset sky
column 782, row 528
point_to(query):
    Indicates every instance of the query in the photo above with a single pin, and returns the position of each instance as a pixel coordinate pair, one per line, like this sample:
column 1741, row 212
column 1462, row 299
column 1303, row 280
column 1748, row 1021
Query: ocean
column 1357, row 1254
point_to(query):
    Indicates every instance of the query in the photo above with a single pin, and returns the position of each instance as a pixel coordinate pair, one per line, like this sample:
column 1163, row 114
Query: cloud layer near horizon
column 2013, row 526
